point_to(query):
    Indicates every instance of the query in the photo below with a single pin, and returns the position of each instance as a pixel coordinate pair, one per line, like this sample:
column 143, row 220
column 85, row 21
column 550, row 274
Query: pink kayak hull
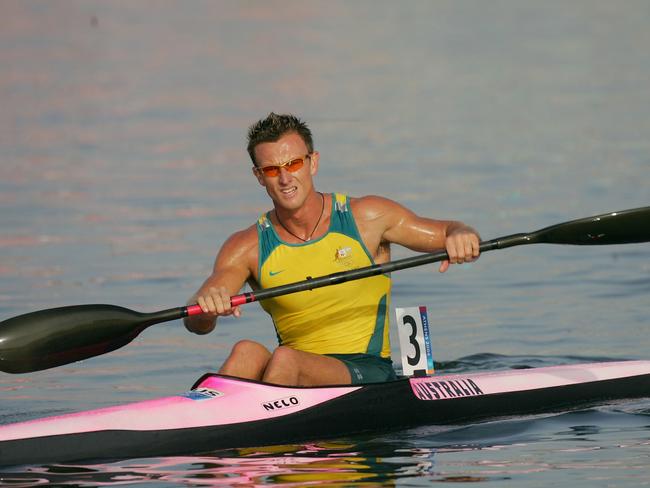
column 223, row 412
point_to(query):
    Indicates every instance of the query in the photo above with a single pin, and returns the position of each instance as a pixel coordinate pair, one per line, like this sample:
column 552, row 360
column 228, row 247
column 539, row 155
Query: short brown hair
column 273, row 127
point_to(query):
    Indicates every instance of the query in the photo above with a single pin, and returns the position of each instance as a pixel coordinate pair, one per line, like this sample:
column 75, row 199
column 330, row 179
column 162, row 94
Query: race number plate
column 414, row 341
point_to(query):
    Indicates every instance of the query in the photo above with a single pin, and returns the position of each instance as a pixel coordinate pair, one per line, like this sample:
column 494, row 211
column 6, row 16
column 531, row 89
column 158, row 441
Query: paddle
column 57, row 336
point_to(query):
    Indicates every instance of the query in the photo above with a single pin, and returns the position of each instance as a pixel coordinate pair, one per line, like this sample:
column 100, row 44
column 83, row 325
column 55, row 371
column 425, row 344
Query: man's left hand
column 462, row 246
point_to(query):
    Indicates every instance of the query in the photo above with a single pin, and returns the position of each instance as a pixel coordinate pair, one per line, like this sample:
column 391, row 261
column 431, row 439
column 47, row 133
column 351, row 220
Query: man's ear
column 314, row 159
column 258, row 175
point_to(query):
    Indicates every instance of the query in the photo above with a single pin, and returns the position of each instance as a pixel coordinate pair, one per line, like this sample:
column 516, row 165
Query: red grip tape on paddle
column 193, row 310
column 234, row 302
column 239, row 300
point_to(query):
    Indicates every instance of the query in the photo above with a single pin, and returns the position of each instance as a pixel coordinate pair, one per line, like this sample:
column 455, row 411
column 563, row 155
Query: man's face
column 289, row 189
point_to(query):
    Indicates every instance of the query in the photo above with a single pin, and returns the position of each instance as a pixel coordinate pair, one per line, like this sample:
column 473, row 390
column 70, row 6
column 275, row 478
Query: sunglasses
column 274, row 170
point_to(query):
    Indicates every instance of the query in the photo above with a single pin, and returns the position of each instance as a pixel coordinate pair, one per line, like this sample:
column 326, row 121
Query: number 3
column 408, row 320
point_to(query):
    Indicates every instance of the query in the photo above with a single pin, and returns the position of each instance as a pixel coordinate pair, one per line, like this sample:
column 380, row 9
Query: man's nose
column 285, row 176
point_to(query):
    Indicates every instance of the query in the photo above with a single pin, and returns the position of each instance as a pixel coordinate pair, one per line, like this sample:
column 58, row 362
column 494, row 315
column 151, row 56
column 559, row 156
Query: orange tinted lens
column 271, row 170
column 294, row 165
column 291, row 166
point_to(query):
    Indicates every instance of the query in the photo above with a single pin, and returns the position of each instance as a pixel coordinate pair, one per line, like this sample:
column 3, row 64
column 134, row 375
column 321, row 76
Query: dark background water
column 123, row 169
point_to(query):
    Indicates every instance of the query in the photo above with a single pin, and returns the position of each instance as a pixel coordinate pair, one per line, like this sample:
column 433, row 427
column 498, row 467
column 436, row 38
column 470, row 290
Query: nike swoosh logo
column 273, row 273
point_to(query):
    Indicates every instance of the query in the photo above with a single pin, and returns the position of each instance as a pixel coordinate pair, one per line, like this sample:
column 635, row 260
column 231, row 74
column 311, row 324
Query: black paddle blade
column 624, row 227
column 57, row 336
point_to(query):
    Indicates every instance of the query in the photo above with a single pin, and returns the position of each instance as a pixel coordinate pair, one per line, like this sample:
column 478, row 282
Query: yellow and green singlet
column 348, row 318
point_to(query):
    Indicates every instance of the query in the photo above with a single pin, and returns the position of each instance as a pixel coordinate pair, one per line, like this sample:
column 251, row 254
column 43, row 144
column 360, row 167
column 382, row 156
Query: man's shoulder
column 239, row 250
column 371, row 204
column 244, row 235
column 242, row 239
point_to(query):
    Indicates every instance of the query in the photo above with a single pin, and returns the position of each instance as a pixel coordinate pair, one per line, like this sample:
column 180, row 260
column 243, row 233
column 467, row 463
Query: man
column 332, row 335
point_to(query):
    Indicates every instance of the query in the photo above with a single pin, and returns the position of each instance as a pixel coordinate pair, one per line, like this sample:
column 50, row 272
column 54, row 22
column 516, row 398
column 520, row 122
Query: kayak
column 225, row 412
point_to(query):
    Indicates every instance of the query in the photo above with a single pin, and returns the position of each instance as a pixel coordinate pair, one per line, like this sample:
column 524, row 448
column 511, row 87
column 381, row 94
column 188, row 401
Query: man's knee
column 283, row 367
column 283, row 356
column 247, row 359
column 284, row 360
column 249, row 349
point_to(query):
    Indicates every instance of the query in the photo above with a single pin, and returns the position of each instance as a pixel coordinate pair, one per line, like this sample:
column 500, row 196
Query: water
column 123, row 169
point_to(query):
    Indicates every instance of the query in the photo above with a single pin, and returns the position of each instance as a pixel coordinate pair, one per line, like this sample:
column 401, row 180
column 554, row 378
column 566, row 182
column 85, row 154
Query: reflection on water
column 574, row 444
column 331, row 464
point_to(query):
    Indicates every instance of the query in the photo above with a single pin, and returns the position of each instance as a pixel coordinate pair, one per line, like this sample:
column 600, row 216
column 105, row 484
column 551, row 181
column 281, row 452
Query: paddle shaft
column 345, row 276
column 625, row 227
column 53, row 337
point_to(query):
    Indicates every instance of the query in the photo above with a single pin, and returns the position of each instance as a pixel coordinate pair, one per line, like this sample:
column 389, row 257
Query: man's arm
column 232, row 268
column 382, row 221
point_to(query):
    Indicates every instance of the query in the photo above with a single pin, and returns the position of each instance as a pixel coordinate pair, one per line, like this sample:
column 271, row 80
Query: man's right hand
column 215, row 301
